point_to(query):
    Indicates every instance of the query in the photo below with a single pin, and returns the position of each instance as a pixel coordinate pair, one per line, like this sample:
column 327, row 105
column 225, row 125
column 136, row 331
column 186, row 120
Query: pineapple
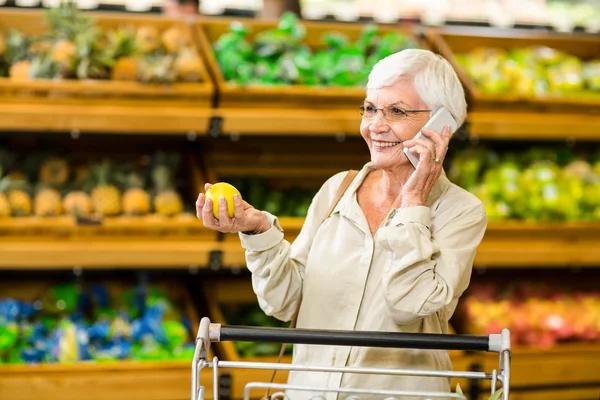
column 147, row 39
column 174, row 40
column 41, row 46
column 157, row 69
column 20, row 202
column 64, row 53
column 125, row 69
column 78, row 204
column 15, row 47
column 67, row 22
column 42, row 66
column 136, row 200
column 20, row 71
column 93, row 61
column 106, row 198
column 54, row 172
column 4, row 206
column 121, row 43
column 17, row 195
column 166, row 202
column 47, row 203
column 188, row 67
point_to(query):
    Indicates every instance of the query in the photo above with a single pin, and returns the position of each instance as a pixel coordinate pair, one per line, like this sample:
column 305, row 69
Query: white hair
column 434, row 78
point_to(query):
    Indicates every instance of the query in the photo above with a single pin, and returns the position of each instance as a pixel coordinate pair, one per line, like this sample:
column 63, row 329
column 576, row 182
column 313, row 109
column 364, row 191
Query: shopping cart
column 209, row 332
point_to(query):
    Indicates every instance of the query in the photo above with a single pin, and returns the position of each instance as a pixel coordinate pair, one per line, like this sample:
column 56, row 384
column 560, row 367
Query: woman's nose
column 379, row 123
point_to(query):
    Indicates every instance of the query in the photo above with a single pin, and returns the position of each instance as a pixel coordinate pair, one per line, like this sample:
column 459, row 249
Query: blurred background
column 113, row 115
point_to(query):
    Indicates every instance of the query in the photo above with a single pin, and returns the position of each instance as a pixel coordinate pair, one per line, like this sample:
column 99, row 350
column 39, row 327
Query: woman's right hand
column 247, row 219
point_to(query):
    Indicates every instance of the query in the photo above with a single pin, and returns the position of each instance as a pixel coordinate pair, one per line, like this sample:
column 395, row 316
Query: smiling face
column 384, row 137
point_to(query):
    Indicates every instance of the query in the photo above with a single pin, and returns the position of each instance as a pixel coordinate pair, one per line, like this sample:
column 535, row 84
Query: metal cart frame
column 210, row 332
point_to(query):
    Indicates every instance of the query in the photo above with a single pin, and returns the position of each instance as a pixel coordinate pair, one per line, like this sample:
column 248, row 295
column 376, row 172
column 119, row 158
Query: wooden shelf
column 533, row 126
column 33, row 23
column 54, row 243
column 281, row 121
column 90, row 117
column 142, row 118
column 170, row 380
column 566, row 371
column 505, row 245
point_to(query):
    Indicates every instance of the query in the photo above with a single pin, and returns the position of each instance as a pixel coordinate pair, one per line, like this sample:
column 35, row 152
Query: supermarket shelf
column 505, row 245
column 125, row 380
column 571, row 368
column 151, row 242
column 533, row 126
column 111, row 253
column 159, row 118
column 281, row 121
column 102, row 118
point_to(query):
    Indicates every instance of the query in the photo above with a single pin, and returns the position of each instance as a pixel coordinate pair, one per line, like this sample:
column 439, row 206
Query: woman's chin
column 382, row 161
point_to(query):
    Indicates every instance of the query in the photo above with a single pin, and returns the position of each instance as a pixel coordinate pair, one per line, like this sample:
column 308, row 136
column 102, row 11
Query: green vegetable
column 279, row 56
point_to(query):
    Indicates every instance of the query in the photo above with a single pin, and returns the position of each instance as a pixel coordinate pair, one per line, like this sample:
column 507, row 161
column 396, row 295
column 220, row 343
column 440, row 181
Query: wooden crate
column 282, row 96
column 451, row 41
column 566, row 371
column 126, row 380
column 31, row 22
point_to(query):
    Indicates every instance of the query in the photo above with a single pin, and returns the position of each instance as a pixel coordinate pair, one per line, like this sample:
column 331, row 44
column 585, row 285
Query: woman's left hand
column 431, row 159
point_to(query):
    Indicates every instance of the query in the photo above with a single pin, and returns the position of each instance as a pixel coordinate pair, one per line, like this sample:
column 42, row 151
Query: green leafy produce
column 279, row 55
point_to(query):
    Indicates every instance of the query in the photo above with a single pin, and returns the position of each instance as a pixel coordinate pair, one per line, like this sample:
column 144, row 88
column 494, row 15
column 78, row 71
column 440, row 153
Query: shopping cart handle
column 495, row 343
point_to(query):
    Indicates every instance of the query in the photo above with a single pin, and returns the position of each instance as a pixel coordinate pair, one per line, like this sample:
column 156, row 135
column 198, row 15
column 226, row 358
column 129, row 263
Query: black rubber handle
column 355, row 338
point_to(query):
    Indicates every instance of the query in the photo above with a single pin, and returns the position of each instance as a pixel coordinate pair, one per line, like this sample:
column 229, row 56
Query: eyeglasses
column 392, row 113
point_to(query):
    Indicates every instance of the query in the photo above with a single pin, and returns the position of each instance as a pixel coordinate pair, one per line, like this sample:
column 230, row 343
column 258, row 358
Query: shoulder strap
column 341, row 190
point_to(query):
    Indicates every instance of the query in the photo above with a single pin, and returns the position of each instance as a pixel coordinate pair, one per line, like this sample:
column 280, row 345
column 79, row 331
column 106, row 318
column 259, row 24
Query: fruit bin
column 149, row 379
column 283, row 96
column 453, row 42
column 144, row 233
column 554, row 328
column 32, row 22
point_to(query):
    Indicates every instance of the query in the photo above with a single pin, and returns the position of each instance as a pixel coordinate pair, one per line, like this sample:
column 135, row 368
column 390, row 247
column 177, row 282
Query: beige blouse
column 406, row 278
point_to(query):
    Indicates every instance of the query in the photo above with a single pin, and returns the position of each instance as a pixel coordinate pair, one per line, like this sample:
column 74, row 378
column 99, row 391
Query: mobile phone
column 438, row 120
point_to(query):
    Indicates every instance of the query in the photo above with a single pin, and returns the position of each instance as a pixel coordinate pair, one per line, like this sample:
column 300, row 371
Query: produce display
column 72, row 323
column 542, row 184
column 537, row 314
column 75, row 47
column 292, row 202
column 47, row 185
column 252, row 315
column 530, row 72
column 280, row 56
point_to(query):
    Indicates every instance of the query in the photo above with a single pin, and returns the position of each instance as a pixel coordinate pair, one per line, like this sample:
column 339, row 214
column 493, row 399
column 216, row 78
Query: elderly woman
column 396, row 252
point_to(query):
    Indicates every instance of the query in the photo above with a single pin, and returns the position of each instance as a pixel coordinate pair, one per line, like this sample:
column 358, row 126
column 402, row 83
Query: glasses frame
column 383, row 111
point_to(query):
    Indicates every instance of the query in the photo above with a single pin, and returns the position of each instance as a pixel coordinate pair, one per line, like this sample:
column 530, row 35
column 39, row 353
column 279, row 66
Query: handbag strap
column 341, row 190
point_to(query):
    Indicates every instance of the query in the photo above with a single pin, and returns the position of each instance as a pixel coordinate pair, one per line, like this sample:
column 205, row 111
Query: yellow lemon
column 217, row 190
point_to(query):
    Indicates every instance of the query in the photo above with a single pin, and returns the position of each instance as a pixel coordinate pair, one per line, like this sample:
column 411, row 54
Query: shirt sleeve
column 277, row 266
column 428, row 272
